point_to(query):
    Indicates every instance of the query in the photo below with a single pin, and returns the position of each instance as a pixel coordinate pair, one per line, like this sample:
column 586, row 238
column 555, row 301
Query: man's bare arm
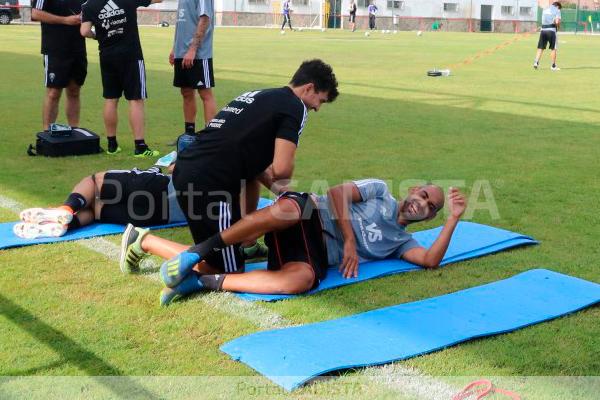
column 48, row 18
column 283, row 159
column 340, row 198
column 275, row 186
column 431, row 258
column 190, row 55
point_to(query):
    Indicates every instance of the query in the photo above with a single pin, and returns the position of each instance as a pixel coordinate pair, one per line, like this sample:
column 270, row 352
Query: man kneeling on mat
column 355, row 222
column 142, row 197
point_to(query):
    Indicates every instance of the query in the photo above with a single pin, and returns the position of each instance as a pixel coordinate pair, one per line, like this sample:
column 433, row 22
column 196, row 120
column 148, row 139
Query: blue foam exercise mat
column 8, row 239
column 292, row 356
column 468, row 241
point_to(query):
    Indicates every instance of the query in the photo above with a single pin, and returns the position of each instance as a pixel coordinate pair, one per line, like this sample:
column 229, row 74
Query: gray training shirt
column 548, row 16
column 374, row 222
column 188, row 15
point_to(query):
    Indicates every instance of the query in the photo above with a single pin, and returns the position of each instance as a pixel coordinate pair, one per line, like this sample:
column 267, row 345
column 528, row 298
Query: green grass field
column 530, row 137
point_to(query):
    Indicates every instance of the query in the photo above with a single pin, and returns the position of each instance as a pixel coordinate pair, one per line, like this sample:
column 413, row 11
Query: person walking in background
column 352, row 18
column 286, row 14
column 372, row 12
column 550, row 25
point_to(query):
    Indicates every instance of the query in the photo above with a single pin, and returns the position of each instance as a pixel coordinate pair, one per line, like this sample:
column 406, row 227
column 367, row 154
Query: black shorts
column 200, row 76
column 209, row 209
column 135, row 196
column 120, row 76
column 352, row 18
column 302, row 242
column 547, row 37
column 59, row 70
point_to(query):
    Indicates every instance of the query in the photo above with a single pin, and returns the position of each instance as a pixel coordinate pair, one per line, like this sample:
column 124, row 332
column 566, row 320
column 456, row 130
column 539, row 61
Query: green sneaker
column 146, row 153
column 257, row 250
column 117, row 150
column 131, row 249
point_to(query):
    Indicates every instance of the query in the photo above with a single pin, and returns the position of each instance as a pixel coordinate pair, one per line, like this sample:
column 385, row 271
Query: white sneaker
column 27, row 230
column 555, row 68
column 41, row 215
column 535, row 65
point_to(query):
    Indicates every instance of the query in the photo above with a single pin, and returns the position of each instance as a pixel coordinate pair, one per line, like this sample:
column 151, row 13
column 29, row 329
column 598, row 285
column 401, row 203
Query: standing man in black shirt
column 253, row 138
column 65, row 61
column 121, row 65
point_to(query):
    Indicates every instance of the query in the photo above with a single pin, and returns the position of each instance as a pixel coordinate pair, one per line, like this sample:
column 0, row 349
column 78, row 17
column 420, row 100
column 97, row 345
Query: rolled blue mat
column 292, row 356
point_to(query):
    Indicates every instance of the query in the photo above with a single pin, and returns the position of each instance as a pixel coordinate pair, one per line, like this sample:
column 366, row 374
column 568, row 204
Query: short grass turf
column 528, row 140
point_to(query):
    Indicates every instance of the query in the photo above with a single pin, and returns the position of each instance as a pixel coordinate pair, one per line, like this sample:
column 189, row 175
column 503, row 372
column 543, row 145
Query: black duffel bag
column 76, row 142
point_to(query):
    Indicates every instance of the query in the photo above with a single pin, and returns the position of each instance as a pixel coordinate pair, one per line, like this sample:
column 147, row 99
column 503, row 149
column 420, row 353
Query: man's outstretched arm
column 431, row 258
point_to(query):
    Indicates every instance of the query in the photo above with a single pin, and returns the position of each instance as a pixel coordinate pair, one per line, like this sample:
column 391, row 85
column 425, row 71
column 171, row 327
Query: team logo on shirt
column 110, row 10
column 247, row 97
column 374, row 234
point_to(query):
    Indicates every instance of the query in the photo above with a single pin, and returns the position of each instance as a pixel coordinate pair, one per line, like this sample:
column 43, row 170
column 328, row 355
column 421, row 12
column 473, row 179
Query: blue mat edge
column 117, row 230
column 63, row 239
column 520, row 241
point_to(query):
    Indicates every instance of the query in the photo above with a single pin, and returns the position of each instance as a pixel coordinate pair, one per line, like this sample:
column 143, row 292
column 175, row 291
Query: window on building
column 257, row 1
column 395, row 4
column 506, row 10
column 301, row 2
column 526, row 11
column 451, row 7
column 362, row 3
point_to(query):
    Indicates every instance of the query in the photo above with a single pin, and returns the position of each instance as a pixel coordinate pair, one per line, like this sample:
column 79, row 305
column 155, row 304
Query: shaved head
column 422, row 204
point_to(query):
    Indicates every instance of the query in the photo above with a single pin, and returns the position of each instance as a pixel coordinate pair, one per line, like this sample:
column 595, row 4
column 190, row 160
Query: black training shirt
column 116, row 26
column 239, row 142
column 59, row 39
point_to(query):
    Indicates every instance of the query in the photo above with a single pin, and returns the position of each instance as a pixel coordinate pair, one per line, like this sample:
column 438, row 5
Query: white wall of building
column 465, row 9
column 410, row 8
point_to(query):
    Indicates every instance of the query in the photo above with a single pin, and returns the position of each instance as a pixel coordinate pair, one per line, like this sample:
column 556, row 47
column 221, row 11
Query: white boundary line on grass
column 225, row 302
column 393, row 376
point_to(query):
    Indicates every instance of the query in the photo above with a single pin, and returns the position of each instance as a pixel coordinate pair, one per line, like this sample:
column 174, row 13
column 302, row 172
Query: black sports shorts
column 209, row 209
column 60, row 70
column 547, row 37
column 123, row 76
column 302, row 242
column 135, row 196
column 199, row 76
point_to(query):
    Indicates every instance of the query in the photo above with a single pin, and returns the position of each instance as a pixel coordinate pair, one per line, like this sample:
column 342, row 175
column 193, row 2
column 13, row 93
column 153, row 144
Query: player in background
column 550, row 25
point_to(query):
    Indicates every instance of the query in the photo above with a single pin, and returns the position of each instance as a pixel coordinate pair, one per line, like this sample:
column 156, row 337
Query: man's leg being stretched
column 293, row 278
column 167, row 249
column 283, row 214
